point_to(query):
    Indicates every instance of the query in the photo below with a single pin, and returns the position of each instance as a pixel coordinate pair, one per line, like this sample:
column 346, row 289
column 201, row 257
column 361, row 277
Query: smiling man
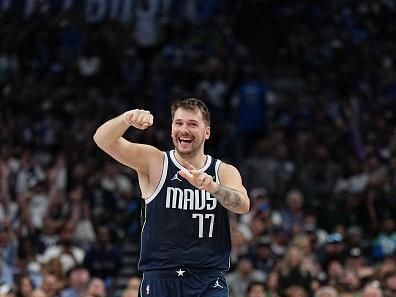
column 186, row 235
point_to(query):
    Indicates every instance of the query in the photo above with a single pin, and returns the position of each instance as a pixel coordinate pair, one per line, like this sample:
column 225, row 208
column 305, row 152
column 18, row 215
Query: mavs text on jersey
column 184, row 226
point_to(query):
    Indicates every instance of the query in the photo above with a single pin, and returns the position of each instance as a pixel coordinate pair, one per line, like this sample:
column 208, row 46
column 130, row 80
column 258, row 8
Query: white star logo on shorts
column 180, row 272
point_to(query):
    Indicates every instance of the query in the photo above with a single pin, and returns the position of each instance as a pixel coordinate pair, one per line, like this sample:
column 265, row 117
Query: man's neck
column 197, row 160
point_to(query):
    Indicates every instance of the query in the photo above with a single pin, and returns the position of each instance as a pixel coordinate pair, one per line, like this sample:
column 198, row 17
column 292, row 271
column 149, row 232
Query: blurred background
column 303, row 102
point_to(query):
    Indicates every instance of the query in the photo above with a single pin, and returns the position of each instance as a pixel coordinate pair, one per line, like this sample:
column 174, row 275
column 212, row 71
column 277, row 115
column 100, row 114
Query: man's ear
column 207, row 133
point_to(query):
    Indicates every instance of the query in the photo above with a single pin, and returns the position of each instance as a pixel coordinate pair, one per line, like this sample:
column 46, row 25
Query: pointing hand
column 198, row 179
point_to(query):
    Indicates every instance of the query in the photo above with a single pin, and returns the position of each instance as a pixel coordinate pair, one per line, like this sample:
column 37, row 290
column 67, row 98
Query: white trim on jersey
column 141, row 243
column 161, row 182
column 217, row 166
column 151, row 198
column 141, row 286
column 180, row 166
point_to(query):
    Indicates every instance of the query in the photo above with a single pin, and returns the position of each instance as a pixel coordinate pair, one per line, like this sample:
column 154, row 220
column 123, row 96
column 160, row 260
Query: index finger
column 186, row 174
column 189, row 166
column 191, row 169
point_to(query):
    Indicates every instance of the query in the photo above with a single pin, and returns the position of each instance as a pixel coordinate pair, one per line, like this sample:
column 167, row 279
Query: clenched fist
column 139, row 118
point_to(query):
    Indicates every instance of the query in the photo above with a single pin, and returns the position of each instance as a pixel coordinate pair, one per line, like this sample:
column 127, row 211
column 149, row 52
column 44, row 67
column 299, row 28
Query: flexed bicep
column 140, row 157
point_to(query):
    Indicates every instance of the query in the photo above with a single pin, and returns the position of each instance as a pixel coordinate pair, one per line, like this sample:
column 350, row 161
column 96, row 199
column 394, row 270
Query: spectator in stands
column 5, row 274
column 293, row 214
column 96, row 287
column 239, row 280
column 272, row 285
column 385, row 243
column 263, row 258
column 350, row 282
column 332, row 249
column 8, row 243
column 279, row 240
column 326, row 292
column 51, row 285
column 48, row 235
column 260, row 168
column 70, row 255
column 54, row 266
column 372, row 290
column 26, row 260
column 260, row 206
column 356, row 261
column 256, row 289
column 258, row 228
column 24, row 286
column 103, row 259
column 78, row 214
column 293, row 272
column 390, row 284
column 335, row 271
column 239, row 246
column 250, row 103
column 78, row 279
column 38, row 293
column 295, row 291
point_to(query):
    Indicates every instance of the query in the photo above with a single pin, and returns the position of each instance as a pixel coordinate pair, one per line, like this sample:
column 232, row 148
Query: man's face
column 390, row 285
column 50, row 285
column 372, row 292
column 189, row 131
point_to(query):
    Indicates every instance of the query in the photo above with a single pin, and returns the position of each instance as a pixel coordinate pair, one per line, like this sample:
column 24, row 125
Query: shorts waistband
column 182, row 272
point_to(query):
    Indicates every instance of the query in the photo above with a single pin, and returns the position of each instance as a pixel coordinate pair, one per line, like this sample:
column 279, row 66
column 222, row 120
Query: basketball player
column 186, row 236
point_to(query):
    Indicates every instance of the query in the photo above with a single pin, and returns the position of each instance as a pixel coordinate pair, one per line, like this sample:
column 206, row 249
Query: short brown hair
column 192, row 104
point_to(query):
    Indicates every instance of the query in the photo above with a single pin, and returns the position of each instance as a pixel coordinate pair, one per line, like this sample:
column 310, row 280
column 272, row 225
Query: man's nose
column 184, row 127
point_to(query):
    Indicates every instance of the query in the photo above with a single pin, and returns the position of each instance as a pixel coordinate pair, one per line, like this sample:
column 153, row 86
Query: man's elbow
column 98, row 140
column 245, row 207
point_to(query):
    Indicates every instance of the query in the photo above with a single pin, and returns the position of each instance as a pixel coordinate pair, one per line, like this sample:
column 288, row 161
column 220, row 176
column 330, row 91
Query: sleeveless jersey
column 184, row 226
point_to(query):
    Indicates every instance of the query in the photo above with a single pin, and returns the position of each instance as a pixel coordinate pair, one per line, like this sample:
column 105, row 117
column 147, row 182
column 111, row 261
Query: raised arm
column 140, row 157
column 231, row 193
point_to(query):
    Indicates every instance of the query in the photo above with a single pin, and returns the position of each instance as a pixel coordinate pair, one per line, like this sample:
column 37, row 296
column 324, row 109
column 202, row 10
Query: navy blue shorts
column 183, row 283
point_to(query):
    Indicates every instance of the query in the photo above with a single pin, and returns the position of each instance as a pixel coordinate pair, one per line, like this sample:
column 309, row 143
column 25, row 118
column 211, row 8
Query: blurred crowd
column 319, row 161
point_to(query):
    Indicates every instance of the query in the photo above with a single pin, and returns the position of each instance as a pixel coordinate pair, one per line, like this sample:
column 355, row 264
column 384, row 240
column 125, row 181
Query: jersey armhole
column 217, row 166
column 161, row 182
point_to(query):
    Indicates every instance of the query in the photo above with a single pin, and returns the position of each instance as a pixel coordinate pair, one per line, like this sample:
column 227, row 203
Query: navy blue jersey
column 184, row 226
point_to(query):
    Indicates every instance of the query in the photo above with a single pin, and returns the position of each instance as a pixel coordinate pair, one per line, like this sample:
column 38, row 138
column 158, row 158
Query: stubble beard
column 191, row 153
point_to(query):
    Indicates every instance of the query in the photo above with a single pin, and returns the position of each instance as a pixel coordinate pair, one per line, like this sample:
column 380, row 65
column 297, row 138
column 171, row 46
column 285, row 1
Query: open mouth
column 185, row 140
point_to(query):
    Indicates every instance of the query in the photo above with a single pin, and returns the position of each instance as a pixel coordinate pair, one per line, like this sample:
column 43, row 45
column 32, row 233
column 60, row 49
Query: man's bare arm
column 230, row 199
column 137, row 156
column 109, row 138
column 145, row 159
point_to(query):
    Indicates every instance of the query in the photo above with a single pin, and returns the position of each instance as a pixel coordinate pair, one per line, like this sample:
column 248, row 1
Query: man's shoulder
column 227, row 167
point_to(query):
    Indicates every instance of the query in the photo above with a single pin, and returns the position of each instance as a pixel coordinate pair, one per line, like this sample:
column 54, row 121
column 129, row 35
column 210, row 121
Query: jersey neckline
column 180, row 166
